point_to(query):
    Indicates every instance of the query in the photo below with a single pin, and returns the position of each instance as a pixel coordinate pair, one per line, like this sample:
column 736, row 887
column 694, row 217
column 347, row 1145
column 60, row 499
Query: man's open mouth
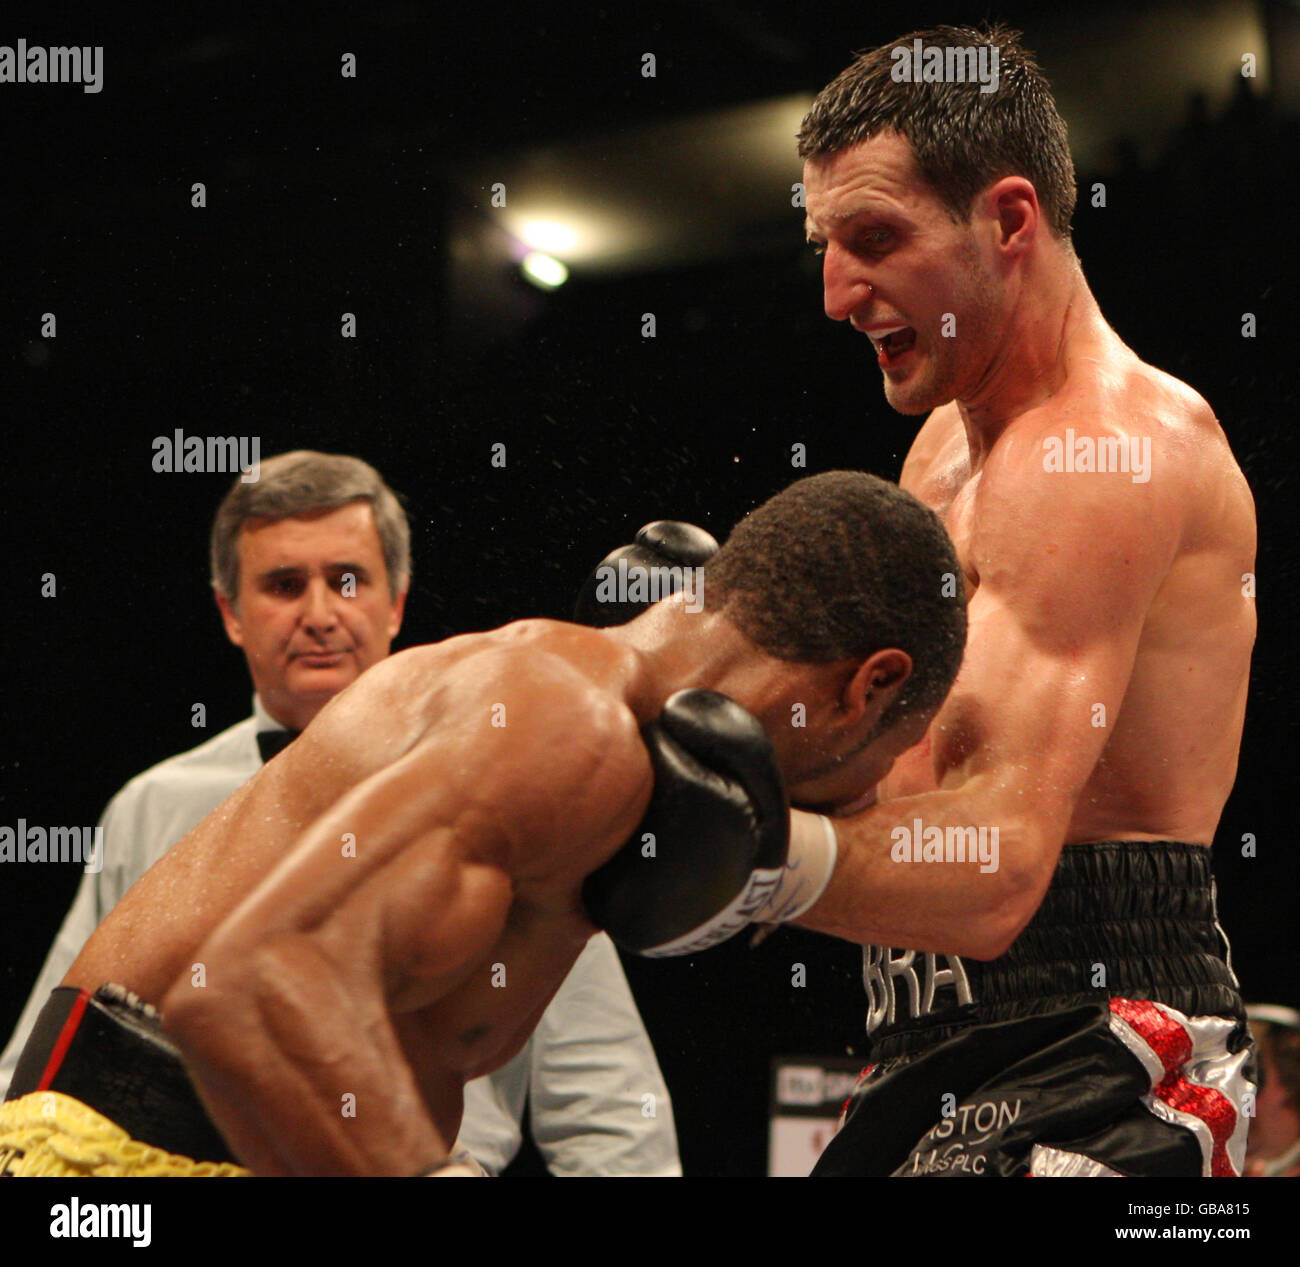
column 890, row 345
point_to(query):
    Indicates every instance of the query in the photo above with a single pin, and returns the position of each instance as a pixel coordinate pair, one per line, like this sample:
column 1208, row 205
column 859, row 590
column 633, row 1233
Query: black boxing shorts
column 108, row 1051
column 1110, row 1039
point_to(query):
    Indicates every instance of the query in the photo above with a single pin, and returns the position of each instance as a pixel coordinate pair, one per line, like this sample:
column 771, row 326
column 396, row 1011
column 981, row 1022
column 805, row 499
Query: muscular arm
column 1068, row 565
column 291, row 1039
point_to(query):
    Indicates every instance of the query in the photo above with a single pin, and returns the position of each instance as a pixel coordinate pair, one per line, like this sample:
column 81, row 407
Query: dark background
column 328, row 195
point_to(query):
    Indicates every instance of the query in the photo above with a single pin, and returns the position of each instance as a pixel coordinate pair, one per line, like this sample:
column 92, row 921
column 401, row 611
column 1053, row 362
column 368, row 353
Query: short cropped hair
column 842, row 565
column 963, row 139
column 302, row 481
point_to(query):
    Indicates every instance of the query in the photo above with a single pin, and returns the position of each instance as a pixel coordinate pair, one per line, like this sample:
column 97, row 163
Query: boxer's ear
column 875, row 683
column 1013, row 203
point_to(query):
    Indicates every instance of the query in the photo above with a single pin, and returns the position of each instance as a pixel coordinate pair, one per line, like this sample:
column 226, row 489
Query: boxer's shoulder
column 517, row 660
column 544, row 711
column 599, row 670
column 938, row 466
column 1112, row 415
column 1146, row 400
column 1122, row 395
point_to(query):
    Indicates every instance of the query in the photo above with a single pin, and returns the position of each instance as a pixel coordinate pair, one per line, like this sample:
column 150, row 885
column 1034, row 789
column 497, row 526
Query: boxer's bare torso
column 1110, row 625
column 404, row 878
column 1170, row 755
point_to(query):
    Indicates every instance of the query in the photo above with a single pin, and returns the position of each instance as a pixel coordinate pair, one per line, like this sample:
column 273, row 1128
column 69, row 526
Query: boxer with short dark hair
column 770, row 571
column 384, row 910
column 1064, row 1004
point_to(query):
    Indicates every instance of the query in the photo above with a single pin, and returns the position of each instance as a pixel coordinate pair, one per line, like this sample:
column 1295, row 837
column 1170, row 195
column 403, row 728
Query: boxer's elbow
column 1015, row 890
column 194, row 1012
column 211, row 1000
column 993, row 934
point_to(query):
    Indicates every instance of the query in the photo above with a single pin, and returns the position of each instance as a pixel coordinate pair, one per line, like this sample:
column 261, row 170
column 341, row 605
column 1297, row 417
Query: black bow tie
column 269, row 742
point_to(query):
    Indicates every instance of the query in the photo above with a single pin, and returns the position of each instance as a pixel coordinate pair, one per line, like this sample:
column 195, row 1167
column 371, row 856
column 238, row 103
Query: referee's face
column 314, row 609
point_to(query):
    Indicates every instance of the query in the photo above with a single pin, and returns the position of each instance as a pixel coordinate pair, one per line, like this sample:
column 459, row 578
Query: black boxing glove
column 711, row 849
column 632, row 578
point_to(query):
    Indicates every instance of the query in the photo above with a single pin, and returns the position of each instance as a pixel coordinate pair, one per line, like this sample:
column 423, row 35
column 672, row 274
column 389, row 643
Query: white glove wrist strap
column 814, row 850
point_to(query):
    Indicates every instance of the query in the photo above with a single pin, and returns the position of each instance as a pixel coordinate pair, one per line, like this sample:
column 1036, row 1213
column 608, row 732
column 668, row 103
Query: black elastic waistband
column 108, row 1050
column 1120, row 920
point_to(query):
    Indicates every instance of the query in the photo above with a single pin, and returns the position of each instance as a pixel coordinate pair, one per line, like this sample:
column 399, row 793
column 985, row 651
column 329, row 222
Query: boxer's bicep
column 560, row 777
column 1066, row 577
column 1037, row 716
column 425, row 923
column 406, row 882
column 354, row 849
column 285, row 1023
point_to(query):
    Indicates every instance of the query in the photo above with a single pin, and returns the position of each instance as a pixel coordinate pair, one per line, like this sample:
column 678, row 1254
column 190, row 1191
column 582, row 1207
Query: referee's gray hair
column 301, row 481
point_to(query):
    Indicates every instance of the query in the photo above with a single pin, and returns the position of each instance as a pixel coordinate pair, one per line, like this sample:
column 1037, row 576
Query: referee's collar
column 264, row 719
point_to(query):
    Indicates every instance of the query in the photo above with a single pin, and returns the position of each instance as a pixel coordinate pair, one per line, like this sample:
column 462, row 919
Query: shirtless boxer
column 1107, row 538
column 385, row 909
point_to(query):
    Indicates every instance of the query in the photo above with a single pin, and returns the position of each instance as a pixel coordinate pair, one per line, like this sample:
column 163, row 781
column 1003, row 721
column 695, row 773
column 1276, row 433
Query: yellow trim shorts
column 48, row 1134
